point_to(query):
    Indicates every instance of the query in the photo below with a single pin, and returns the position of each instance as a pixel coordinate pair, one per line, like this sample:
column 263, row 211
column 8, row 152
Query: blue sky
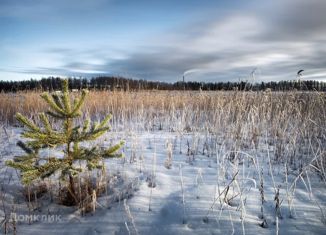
column 162, row 40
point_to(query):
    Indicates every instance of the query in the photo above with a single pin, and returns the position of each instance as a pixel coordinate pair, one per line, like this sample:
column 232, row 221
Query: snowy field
column 194, row 163
column 178, row 183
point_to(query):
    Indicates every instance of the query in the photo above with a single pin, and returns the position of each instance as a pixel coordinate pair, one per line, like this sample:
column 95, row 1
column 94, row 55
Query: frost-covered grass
column 195, row 163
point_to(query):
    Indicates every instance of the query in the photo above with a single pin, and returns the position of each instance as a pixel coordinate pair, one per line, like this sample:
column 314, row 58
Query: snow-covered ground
column 204, row 191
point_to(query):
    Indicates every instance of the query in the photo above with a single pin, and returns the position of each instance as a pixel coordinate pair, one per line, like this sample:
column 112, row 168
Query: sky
column 203, row 40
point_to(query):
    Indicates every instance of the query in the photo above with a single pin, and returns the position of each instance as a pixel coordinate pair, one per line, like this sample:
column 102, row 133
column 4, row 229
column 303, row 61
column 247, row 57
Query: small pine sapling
column 34, row 167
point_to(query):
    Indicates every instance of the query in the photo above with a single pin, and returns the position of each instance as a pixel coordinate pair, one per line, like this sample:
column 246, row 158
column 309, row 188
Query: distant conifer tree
column 33, row 167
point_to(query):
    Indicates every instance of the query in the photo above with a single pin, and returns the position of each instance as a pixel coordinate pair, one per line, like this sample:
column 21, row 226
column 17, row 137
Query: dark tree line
column 126, row 84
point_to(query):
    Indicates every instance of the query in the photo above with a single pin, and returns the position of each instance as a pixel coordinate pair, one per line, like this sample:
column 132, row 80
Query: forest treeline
column 126, row 84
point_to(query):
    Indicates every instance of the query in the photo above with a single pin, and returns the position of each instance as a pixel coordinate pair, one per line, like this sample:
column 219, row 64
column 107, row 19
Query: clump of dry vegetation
column 290, row 122
column 196, row 110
